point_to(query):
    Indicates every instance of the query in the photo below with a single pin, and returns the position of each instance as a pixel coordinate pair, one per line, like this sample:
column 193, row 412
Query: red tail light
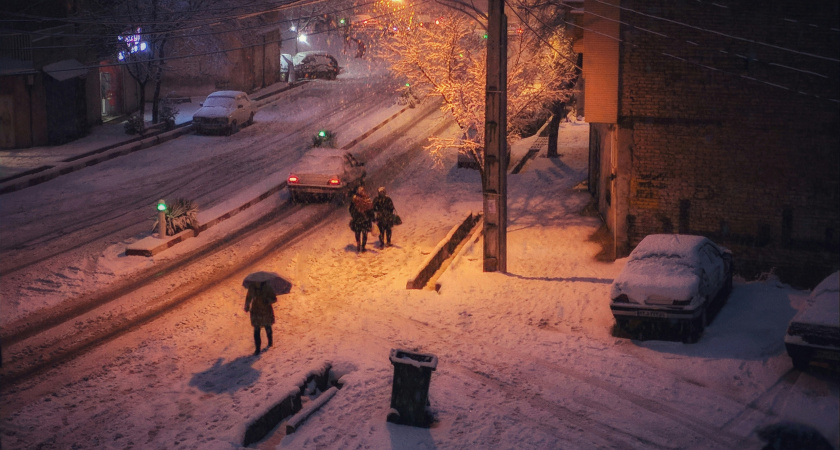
column 621, row 299
column 293, row 179
column 334, row 181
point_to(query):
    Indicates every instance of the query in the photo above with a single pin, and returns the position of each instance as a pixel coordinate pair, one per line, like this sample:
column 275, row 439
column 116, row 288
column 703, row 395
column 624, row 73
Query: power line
column 693, row 27
column 708, row 67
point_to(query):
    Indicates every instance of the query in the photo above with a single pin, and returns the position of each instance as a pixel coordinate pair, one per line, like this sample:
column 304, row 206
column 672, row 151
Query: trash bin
column 410, row 393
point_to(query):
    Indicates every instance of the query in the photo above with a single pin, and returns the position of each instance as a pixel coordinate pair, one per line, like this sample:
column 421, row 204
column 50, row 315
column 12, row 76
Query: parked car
column 814, row 332
column 325, row 173
column 224, row 111
column 674, row 280
column 316, row 64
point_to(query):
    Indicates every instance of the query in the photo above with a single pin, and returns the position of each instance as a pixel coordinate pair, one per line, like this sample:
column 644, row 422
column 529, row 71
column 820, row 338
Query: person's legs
column 270, row 335
column 364, row 240
column 257, row 340
column 382, row 231
column 358, row 241
column 388, row 235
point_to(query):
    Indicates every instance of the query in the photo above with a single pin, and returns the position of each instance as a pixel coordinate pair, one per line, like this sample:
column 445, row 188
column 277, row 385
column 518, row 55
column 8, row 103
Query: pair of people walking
column 364, row 211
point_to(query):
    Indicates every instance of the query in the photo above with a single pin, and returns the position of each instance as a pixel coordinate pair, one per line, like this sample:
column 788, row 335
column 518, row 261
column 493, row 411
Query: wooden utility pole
column 495, row 141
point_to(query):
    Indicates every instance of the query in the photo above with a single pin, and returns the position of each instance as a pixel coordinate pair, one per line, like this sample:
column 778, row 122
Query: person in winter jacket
column 383, row 206
column 361, row 217
column 258, row 301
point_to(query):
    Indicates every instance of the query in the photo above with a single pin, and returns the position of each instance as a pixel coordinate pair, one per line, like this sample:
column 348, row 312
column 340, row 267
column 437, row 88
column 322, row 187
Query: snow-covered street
column 526, row 359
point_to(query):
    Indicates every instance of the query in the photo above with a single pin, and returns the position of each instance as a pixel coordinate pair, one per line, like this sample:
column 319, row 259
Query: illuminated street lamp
column 161, row 209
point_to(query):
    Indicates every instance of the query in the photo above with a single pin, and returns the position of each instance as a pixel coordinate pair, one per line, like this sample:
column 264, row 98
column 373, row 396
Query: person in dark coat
column 361, row 217
column 258, row 301
column 383, row 206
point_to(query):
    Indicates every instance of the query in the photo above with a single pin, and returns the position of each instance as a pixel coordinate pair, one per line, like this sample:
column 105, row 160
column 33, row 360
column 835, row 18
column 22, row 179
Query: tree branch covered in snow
column 449, row 60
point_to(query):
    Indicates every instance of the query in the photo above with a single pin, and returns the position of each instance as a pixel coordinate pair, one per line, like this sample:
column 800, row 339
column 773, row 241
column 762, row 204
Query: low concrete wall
column 288, row 406
column 443, row 250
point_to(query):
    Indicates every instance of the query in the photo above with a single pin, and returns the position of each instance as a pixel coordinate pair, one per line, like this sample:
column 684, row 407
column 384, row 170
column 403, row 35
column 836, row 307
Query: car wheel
column 234, row 128
column 800, row 362
column 251, row 119
column 694, row 329
column 293, row 197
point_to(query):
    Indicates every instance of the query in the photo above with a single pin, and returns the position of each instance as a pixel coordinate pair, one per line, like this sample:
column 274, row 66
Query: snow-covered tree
column 447, row 59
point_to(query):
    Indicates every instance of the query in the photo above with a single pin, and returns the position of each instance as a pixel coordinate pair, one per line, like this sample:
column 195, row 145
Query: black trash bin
column 410, row 393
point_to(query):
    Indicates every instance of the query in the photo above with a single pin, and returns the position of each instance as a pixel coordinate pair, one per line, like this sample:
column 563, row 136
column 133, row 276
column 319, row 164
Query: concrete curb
column 443, row 250
column 288, row 405
column 81, row 163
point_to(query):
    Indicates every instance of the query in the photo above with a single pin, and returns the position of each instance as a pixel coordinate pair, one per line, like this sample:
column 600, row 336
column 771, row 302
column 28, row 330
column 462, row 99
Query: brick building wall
column 735, row 128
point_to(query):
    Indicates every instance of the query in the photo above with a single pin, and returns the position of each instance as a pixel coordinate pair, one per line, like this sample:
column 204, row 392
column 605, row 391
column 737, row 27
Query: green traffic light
column 161, row 206
column 485, row 35
column 322, row 133
column 407, row 85
column 342, row 21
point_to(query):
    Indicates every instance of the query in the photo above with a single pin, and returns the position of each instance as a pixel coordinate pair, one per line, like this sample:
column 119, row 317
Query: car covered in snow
column 673, row 279
column 316, row 64
column 814, row 332
column 325, row 173
column 224, row 111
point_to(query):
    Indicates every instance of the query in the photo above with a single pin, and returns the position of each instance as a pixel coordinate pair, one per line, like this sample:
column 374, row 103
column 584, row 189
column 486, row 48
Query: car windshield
column 224, row 102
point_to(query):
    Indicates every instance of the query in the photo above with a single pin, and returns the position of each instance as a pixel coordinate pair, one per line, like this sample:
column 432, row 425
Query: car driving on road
column 224, row 111
column 325, row 173
column 673, row 279
column 814, row 332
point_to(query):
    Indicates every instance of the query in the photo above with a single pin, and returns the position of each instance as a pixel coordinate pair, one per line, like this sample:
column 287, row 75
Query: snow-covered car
column 224, row 111
column 673, row 279
column 316, row 64
column 325, row 172
column 814, row 332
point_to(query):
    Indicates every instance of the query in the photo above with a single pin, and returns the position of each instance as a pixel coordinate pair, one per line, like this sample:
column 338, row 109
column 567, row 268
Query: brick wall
column 735, row 133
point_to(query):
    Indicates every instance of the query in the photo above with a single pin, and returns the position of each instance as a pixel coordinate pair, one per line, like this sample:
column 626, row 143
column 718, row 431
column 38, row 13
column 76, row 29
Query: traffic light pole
column 495, row 141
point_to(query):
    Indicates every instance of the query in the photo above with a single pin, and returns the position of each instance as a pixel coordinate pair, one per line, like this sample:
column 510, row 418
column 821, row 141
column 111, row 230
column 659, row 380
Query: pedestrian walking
column 258, row 301
column 361, row 217
column 383, row 207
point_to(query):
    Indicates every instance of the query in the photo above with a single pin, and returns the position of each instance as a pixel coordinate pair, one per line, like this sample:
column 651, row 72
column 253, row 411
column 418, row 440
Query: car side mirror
column 240, row 106
column 201, row 104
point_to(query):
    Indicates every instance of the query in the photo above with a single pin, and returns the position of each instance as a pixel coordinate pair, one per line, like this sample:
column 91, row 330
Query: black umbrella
column 279, row 284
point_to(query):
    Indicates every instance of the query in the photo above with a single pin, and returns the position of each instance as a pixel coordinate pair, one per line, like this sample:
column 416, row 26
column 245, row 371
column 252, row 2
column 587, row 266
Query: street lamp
column 161, row 209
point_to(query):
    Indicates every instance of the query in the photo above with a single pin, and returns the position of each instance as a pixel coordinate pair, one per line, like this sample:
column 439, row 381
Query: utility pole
column 495, row 141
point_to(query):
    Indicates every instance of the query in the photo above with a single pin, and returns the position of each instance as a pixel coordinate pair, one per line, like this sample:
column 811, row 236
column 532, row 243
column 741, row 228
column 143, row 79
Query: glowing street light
column 161, row 209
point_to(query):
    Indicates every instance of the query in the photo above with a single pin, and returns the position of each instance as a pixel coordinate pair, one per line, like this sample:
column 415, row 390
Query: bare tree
column 139, row 32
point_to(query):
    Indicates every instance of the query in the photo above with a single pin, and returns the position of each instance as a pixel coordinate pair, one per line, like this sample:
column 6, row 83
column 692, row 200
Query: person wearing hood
column 258, row 301
column 361, row 217
column 383, row 206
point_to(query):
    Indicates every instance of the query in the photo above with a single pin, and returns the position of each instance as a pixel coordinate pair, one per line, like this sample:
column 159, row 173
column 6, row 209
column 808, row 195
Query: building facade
column 718, row 120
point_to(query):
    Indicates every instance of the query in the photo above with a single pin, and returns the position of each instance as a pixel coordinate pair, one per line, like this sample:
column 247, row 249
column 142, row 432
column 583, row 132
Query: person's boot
column 270, row 337
column 257, row 341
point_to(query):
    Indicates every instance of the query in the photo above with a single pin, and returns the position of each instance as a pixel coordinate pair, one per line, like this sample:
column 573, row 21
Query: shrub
column 168, row 112
column 135, row 124
column 324, row 138
column 180, row 215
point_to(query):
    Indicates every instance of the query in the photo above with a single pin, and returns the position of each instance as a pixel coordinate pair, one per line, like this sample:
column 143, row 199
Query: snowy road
column 527, row 359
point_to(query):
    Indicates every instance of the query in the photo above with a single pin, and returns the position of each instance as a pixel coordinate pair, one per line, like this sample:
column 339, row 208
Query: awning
column 66, row 69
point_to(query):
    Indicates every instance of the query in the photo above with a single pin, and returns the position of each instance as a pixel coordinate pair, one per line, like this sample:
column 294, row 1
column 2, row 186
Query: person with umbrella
column 258, row 301
column 263, row 289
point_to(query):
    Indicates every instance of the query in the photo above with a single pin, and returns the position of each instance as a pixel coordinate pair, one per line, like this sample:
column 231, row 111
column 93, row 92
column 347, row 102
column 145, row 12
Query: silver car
column 672, row 279
column 814, row 332
column 325, row 173
column 224, row 111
